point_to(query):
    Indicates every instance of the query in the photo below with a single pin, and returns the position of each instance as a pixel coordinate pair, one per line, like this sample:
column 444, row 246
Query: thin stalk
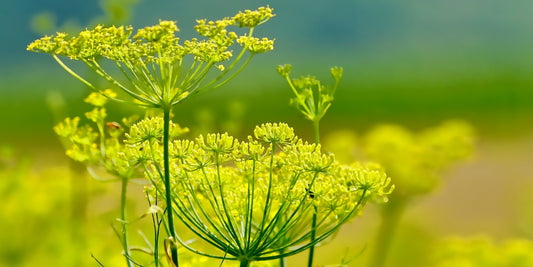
column 188, row 74
column 168, row 198
column 71, row 72
column 100, row 126
column 192, row 88
column 199, row 71
column 390, row 217
column 100, row 71
column 288, row 223
column 316, row 128
column 250, row 207
column 230, row 67
column 244, row 263
column 313, row 237
column 143, row 72
column 234, row 74
column 191, row 215
column 156, row 224
column 202, row 210
column 175, row 75
column 231, row 222
column 291, row 85
column 131, row 77
column 124, row 222
column 322, row 237
column 200, row 230
column 261, row 229
column 282, row 259
column 215, row 205
column 224, row 257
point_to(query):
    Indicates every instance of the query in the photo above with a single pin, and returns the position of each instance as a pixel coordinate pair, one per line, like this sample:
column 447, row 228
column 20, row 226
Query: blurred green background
column 412, row 62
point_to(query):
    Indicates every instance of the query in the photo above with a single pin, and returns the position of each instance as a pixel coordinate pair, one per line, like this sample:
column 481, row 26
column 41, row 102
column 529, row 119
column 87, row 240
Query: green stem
column 168, row 197
column 71, row 72
column 282, row 259
column 316, row 127
column 100, row 126
column 261, row 256
column 236, row 73
column 226, row 71
column 123, row 220
column 313, row 236
column 244, row 263
column 261, row 233
column 390, row 217
column 155, row 224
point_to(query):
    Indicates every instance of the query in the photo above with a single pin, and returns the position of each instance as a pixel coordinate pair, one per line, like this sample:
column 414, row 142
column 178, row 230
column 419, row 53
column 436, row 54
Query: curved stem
column 234, row 74
column 258, row 238
column 390, row 217
column 203, row 211
column 71, row 72
column 250, row 207
column 230, row 219
column 156, row 226
column 211, row 85
column 230, row 67
column 124, row 222
column 93, row 64
column 320, row 238
column 291, row 85
column 166, row 133
column 224, row 257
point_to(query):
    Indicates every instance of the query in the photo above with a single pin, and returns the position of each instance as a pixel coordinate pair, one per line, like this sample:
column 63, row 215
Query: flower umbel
column 424, row 155
column 250, row 199
column 311, row 97
column 153, row 60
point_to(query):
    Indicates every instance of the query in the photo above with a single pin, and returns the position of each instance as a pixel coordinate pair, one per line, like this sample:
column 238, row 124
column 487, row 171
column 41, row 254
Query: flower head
column 249, row 193
column 251, row 19
column 415, row 160
column 158, row 48
column 311, row 97
column 274, row 133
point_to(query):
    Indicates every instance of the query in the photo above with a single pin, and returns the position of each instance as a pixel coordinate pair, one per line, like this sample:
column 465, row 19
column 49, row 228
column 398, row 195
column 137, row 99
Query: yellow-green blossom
column 416, row 160
column 482, row 251
column 256, row 45
column 99, row 100
column 274, row 133
column 251, row 19
column 153, row 61
column 151, row 130
column 251, row 199
column 97, row 115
